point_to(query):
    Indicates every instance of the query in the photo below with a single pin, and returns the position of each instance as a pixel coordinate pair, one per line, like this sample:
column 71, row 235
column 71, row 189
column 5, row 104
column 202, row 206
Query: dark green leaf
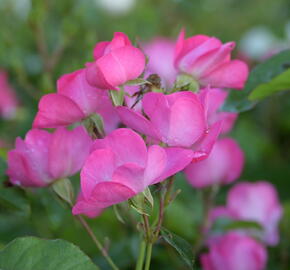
column 31, row 253
column 180, row 245
column 267, row 78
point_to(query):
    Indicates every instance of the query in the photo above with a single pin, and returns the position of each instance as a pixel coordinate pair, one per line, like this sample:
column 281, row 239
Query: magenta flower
column 223, row 165
column 209, row 61
column 44, row 157
column 160, row 52
column 235, row 252
column 8, row 101
column 75, row 100
column 116, row 62
column 121, row 166
column 178, row 119
column 257, row 202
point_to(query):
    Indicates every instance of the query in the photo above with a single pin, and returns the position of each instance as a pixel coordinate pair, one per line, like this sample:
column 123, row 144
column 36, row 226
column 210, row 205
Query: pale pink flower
column 160, row 52
column 209, row 61
column 235, row 252
column 8, row 100
column 223, row 165
column 44, row 157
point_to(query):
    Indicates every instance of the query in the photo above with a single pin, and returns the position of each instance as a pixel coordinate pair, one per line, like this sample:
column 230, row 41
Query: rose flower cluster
column 126, row 123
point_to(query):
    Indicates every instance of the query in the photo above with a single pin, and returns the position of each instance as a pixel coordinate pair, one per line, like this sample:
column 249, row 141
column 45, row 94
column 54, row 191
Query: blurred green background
column 43, row 39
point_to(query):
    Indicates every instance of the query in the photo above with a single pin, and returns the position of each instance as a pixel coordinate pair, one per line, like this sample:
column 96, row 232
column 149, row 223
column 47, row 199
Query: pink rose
column 121, row 166
column 235, row 252
column 75, row 100
column 116, row 62
column 209, row 61
column 178, row 119
column 44, row 157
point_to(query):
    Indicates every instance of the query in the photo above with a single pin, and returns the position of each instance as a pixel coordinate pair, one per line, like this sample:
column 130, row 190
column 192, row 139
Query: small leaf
column 265, row 79
column 99, row 123
column 138, row 81
column 63, row 188
column 117, row 97
column 180, row 245
column 226, row 224
column 117, row 213
column 142, row 202
column 31, row 253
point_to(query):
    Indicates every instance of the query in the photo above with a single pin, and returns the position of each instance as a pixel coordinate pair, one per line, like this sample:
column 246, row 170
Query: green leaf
column 267, row 78
column 183, row 248
column 31, row 253
column 117, row 96
column 63, row 188
column 138, row 81
column 226, row 224
column 280, row 83
column 99, row 123
column 142, row 202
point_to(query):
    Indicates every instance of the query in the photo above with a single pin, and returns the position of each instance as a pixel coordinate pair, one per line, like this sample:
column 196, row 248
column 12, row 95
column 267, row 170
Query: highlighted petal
column 55, row 110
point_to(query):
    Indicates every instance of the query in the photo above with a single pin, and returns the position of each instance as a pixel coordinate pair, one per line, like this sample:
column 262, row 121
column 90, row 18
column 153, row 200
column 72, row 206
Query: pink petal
column 232, row 74
column 137, row 122
column 86, row 208
column 212, row 60
column 121, row 65
column 187, row 122
column 127, row 145
column 68, row 151
column 55, row 110
column 161, row 52
column 203, row 148
column 96, row 78
column 75, row 86
column 177, row 160
column 8, row 99
column 108, row 193
column 99, row 167
column 223, row 165
column 194, row 48
column 21, row 172
column 100, row 48
column 119, row 40
column 130, row 175
column 156, row 107
column 28, row 163
column 157, row 160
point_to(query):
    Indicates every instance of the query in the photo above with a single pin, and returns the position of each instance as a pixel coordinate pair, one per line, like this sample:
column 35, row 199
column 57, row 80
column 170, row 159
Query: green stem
column 148, row 256
column 141, row 257
column 97, row 242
